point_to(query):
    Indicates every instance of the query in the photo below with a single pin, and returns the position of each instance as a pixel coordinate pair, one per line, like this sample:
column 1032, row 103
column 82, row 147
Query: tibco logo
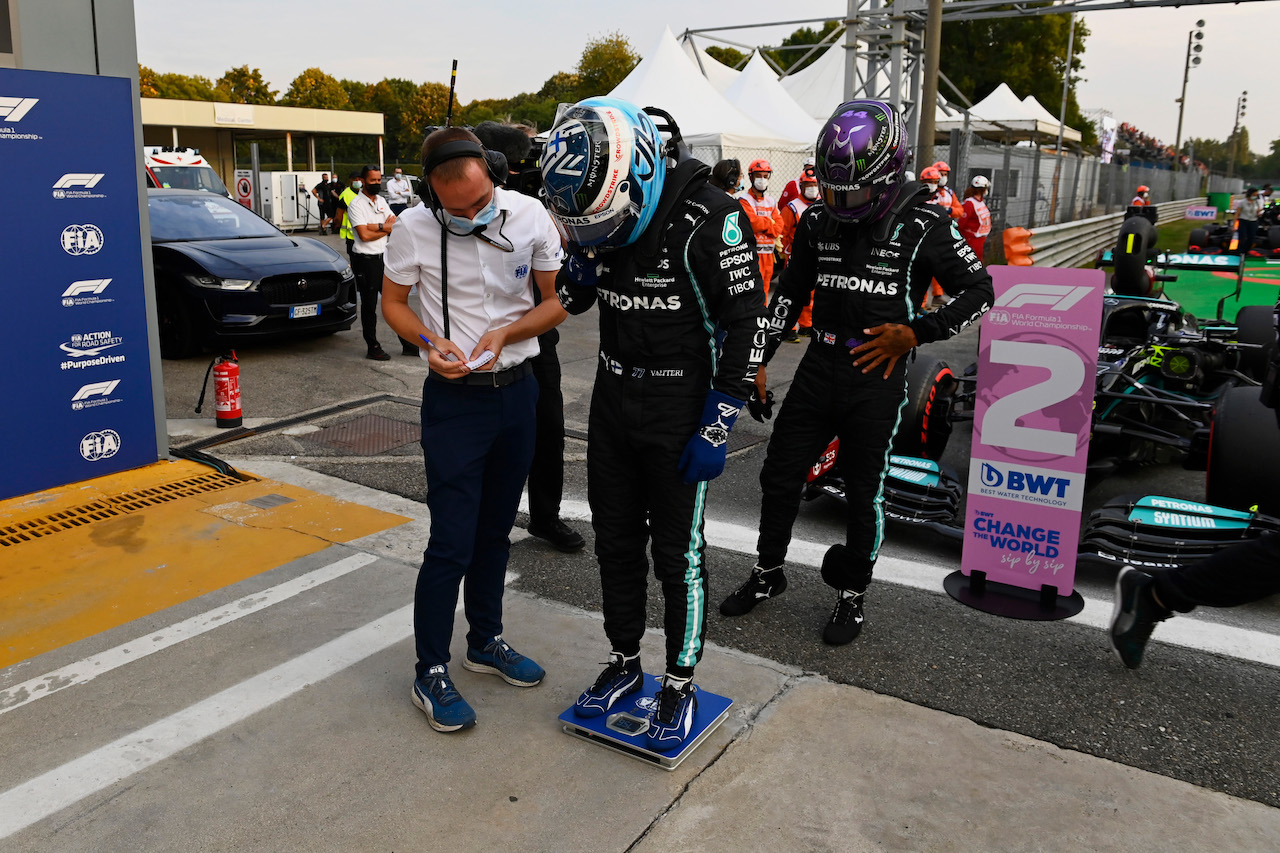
column 13, row 109
column 100, row 445
column 88, row 180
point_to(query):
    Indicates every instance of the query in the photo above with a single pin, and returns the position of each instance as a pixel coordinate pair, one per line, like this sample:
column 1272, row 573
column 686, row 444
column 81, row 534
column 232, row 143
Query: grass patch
column 1173, row 236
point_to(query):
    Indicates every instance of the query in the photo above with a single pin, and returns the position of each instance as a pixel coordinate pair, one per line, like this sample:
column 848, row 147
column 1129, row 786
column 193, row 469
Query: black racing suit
column 663, row 301
column 860, row 276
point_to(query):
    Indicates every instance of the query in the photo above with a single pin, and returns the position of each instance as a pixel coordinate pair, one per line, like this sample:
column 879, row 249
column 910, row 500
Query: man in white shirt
column 372, row 221
column 399, row 192
column 478, row 422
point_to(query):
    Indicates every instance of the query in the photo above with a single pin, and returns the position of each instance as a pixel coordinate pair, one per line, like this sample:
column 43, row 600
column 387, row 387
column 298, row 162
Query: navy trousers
column 477, row 442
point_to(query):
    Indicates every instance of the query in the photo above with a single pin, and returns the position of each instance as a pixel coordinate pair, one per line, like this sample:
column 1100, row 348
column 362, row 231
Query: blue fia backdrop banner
column 80, row 403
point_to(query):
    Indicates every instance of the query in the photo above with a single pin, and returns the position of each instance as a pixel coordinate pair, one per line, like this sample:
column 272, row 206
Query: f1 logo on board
column 96, row 389
column 89, row 285
column 1059, row 297
column 13, row 109
column 95, row 394
column 81, row 239
column 78, row 185
column 88, row 180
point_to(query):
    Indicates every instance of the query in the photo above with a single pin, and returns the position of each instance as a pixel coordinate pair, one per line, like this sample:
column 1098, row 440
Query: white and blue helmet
column 603, row 171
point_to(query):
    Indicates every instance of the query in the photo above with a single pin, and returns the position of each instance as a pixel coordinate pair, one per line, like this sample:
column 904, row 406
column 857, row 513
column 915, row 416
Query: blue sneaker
column 614, row 683
column 500, row 659
column 444, row 706
column 672, row 719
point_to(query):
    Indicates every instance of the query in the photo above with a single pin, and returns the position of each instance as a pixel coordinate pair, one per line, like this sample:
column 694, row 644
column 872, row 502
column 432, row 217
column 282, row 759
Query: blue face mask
column 483, row 218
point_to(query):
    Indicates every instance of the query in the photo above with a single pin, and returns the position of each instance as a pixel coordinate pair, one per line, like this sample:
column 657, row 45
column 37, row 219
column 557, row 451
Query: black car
column 224, row 274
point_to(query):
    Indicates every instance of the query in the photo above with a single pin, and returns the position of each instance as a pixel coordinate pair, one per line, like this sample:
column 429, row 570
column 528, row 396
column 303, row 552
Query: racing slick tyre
column 177, row 328
column 1198, row 239
column 1255, row 324
column 925, row 425
column 1244, row 453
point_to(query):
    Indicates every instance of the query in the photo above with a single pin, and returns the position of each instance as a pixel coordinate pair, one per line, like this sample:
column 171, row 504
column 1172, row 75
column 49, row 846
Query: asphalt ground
column 1206, row 717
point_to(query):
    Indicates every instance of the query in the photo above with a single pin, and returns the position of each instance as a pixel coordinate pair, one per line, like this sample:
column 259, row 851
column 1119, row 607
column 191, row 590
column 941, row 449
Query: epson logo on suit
column 75, row 185
column 1025, row 484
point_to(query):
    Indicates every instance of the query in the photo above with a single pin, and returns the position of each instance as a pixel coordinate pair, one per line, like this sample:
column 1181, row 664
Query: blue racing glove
column 704, row 455
column 582, row 269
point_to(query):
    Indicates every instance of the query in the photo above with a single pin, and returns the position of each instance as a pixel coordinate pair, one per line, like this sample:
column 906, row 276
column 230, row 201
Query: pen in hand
column 448, row 356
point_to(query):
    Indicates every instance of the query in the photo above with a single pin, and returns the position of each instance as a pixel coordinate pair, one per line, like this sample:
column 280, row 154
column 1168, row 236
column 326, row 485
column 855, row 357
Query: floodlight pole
column 928, row 103
column 1062, row 119
column 1182, row 101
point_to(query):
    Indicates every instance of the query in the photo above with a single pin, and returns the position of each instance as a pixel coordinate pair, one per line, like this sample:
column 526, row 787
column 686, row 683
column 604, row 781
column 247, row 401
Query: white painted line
column 1202, row 635
column 64, row 786
column 84, row 671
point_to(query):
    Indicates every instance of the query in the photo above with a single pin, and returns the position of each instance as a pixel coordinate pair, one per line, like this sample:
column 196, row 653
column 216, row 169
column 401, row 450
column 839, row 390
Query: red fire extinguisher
column 226, row 390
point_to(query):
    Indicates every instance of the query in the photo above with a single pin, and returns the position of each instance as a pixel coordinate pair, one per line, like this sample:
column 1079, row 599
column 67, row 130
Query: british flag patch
column 829, row 338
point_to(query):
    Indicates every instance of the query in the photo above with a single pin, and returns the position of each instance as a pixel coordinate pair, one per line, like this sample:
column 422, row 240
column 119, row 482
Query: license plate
column 304, row 311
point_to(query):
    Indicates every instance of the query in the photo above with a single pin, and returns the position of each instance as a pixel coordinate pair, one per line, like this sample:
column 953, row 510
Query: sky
column 1133, row 58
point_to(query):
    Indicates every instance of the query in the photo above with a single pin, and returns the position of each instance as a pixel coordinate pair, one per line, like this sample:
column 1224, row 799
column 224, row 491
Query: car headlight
column 348, row 273
column 221, row 283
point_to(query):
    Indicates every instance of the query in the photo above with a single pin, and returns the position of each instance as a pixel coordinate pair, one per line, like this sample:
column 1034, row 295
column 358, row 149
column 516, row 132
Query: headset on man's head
column 495, row 163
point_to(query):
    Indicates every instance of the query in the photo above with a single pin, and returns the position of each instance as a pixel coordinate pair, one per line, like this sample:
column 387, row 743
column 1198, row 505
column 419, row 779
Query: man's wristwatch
column 379, row 226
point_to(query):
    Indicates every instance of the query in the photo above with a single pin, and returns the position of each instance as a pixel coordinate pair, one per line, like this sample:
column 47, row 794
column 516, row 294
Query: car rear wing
column 1201, row 263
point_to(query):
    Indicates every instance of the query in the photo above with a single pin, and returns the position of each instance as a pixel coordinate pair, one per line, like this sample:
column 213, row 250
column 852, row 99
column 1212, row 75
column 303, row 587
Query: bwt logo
column 81, row 239
column 13, row 109
column 78, row 179
column 1059, row 297
column 95, row 389
column 92, row 286
column 1024, row 481
column 100, row 445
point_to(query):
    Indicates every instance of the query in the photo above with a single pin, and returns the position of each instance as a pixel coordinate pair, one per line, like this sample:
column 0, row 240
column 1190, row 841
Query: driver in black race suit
column 866, row 253
column 671, row 262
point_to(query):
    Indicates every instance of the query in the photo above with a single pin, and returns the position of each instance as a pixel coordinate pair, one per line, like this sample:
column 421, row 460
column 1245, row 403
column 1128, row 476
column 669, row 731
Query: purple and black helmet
column 860, row 159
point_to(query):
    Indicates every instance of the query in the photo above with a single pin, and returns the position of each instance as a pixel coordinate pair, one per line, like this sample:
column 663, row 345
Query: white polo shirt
column 488, row 288
column 364, row 210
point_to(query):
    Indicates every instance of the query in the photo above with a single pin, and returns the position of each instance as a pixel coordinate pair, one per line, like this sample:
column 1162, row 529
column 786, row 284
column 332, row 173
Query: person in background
column 399, row 192
column 321, row 193
column 344, row 199
column 945, row 195
column 1247, row 213
column 546, row 474
column 791, row 213
column 1142, row 196
column 975, row 223
column 932, row 178
column 727, row 175
column 371, row 222
column 762, row 213
column 792, row 189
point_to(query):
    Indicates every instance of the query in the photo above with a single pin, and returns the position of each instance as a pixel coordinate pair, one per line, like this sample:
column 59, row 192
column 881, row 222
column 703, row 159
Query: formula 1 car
column 1218, row 238
column 1168, row 387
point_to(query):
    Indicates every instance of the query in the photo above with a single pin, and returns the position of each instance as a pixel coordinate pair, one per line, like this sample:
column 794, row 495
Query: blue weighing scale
column 623, row 728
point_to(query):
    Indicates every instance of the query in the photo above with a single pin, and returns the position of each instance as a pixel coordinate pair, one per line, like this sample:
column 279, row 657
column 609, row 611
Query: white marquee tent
column 758, row 93
column 717, row 73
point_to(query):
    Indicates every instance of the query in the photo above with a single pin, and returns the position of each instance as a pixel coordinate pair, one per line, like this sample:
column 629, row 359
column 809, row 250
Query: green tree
column 147, row 87
column 605, row 62
column 561, row 86
column 178, row 86
column 313, row 88
column 357, row 93
column 803, row 37
column 243, row 85
column 728, row 55
column 427, row 107
column 1027, row 52
column 391, row 97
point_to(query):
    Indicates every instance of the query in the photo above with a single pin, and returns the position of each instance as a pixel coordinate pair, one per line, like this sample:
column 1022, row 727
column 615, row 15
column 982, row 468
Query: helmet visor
column 851, row 196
